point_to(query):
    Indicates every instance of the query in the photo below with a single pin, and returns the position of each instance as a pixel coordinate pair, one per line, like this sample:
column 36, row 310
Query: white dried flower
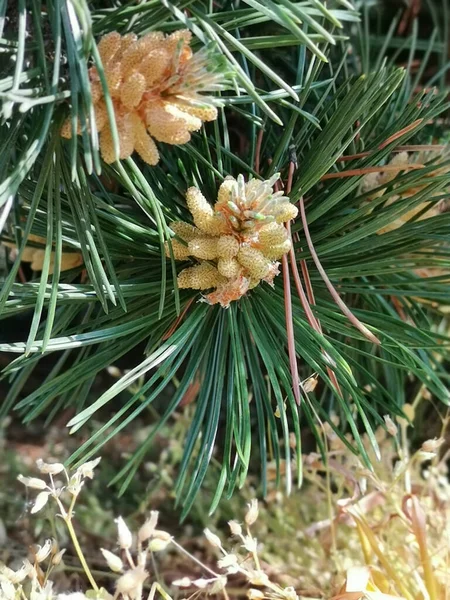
column 40, row 502
column 56, row 560
column 212, row 538
column 218, row 585
column 289, row 593
column 162, row 535
column 43, row 551
column 254, row 594
column 7, row 572
column 229, row 563
column 75, row 484
column 124, row 534
column 148, row 527
column 49, row 468
column 391, row 427
column 258, row 578
column 114, row 562
column 23, row 572
column 235, row 528
column 32, row 482
column 183, row 582
column 131, row 580
column 87, row 468
column 250, row 543
column 432, row 445
column 39, row 592
column 8, row 591
column 114, row 371
column 158, row 544
column 252, row 513
column 202, row 583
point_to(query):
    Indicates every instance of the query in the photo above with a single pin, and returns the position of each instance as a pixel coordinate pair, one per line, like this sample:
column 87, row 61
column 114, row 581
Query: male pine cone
column 237, row 242
column 156, row 85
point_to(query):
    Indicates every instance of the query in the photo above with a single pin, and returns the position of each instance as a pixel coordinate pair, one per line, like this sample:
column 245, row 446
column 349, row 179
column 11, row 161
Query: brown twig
column 288, row 306
column 177, row 321
column 365, row 170
column 411, row 148
column 341, row 304
column 399, row 134
column 290, row 331
column 301, row 292
column 259, row 140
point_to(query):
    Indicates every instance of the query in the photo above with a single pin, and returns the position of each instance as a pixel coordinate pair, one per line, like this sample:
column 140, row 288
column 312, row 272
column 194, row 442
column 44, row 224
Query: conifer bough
column 346, row 270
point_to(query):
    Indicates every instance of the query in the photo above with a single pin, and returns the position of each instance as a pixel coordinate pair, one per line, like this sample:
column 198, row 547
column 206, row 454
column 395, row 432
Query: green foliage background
column 321, row 81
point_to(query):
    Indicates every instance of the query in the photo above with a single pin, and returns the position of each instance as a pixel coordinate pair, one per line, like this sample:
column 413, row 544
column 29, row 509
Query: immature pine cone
column 155, row 83
column 237, row 242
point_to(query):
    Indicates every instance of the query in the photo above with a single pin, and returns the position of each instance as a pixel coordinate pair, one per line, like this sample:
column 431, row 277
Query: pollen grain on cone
column 156, row 84
column 235, row 243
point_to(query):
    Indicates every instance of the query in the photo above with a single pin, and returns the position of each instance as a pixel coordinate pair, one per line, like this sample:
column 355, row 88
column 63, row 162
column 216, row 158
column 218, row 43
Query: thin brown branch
column 399, row 134
column 365, row 170
column 288, row 305
column 177, row 321
column 290, row 331
column 259, row 140
column 341, row 304
column 410, row 148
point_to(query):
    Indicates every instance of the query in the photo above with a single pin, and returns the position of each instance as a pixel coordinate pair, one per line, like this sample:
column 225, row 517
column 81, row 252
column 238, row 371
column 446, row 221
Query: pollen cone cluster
column 404, row 162
column 156, row 85
column 236, row 244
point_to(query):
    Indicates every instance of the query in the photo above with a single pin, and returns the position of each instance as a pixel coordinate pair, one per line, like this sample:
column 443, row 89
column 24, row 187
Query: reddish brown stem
column 306, row 302
column 365, row 170
column 411, row 148
column 399, row 134
column 341, row 304
column 177, row 321
column 288, row 303
column 301, row 292
column 259, row 140
column 290, row 331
